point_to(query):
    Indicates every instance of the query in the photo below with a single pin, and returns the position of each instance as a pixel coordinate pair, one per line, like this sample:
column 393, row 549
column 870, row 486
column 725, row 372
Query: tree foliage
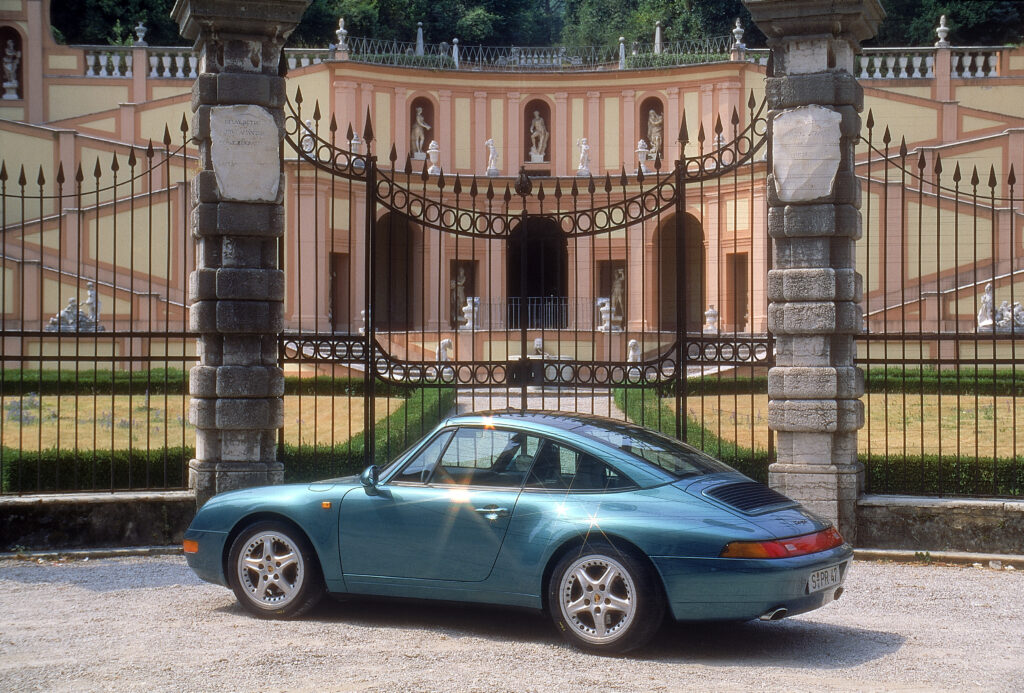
column 542, row 22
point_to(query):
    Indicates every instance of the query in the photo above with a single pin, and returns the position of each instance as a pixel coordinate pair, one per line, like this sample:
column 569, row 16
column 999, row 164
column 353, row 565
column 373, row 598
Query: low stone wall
column 74, row 521
column 941, row 524
column 94, row 520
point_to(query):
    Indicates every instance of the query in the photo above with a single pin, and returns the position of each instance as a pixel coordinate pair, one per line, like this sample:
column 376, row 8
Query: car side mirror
column 369, row 479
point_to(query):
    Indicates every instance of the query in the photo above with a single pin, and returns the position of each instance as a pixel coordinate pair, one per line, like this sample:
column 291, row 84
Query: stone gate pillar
column 813, row 221
column 237, row 290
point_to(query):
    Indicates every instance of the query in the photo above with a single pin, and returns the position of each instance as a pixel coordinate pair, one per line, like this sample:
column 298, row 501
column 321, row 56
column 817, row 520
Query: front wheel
column 604, row 600
column 273, row 571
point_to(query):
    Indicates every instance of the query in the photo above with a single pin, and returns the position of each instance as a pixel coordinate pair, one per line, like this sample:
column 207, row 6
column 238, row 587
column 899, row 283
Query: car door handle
column 492, row 512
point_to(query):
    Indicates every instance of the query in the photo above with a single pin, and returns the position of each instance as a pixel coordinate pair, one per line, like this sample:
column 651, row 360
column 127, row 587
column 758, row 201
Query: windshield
column 674, row 457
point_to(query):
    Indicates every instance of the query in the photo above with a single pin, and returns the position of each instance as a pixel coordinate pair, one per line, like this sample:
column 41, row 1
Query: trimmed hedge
column 171, row 381
column 892, row 379
column 931, row 475
column 52, row 470
column 646, row 408
column 67, row 470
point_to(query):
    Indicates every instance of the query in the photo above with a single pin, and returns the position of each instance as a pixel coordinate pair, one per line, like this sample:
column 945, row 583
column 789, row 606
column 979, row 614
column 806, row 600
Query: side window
column 486, row 457
column 558, row 467
column 419, row 468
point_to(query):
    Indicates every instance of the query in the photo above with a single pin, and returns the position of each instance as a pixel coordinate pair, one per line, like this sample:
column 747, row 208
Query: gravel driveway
column 149, row 624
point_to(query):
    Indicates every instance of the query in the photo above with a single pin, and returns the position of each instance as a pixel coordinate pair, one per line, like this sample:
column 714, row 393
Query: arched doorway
column 537, row 275
column 396, row 242
column 693, row 289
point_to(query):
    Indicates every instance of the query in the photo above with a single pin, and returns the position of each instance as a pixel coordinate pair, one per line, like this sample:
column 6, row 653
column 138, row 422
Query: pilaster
column 236, row 292
column 814, row 291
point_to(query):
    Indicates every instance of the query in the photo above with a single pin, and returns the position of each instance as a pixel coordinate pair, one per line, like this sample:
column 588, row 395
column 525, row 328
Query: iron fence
column 93, row 341
column 941, row 259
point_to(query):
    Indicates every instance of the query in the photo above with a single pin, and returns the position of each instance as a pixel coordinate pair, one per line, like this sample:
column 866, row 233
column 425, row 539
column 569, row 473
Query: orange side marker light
column 190, row 546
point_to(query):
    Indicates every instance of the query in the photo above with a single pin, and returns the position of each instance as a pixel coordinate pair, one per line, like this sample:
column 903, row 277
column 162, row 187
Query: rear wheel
column 273, row 571
column 605, row 600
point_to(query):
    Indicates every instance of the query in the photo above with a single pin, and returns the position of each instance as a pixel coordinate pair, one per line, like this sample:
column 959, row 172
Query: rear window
column 676, row 458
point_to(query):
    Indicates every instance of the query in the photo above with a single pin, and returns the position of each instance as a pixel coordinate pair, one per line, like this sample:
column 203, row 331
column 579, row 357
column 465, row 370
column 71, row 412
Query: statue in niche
column 418, row 135
column 492, row 158
column 11, row 60
column 538, row 138
column 618, row 304
column 458, row 297
column 985, row 315
column 655, row 131
column 584, row 167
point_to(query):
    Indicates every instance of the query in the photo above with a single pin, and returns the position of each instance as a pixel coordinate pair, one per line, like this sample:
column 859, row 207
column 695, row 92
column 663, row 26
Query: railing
column 454, row 56
column 171, row 62
column 919, row 63
column 897, row 63
column 966, row 63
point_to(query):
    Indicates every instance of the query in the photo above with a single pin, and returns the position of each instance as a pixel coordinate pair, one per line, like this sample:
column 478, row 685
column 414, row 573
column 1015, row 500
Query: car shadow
column 792, row 642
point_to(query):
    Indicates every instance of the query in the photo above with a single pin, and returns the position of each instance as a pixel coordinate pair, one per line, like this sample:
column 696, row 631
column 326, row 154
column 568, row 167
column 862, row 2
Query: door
column 444, row 515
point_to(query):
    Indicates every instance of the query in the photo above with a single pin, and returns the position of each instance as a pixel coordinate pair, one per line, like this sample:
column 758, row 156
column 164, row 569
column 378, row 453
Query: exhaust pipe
column 774, row 614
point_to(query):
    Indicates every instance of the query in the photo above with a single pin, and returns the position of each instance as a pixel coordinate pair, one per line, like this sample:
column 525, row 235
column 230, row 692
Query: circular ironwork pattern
column 724, row 350
column 323, row 349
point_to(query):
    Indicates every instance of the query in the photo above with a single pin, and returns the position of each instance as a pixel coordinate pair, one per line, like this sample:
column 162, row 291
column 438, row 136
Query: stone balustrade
column 897, row 63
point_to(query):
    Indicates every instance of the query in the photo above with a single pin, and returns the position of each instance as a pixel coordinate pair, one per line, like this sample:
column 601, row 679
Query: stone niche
column 651, row 103
column 543, row 109
column 427, row 106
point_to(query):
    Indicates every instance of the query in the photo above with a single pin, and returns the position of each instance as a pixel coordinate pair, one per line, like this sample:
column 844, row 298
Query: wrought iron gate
column 583, row 293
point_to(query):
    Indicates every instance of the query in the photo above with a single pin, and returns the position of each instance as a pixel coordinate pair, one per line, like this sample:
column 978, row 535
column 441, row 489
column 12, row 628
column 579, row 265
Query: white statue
column 418, row 134
column 492, row 158
column 643, row 155
column 655, row 131
column 538, row 138
column 584, row 167
column 1004, row 316
column 469, row 312
column 604, row 309
column 1018, row 315
column 633, row 354
column 986, row 319
column 11, row 60
column 362, row 317
column 92, row 302
column 444, row 351
column 711, row 320
column 434, row 152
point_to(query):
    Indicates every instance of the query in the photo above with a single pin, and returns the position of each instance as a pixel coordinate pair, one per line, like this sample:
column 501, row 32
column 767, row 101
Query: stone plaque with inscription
column 245, row 153
column 805, row 152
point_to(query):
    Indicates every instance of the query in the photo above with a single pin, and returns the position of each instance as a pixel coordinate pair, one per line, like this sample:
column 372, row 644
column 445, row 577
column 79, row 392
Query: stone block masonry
column 236, row 293
column 813, row 221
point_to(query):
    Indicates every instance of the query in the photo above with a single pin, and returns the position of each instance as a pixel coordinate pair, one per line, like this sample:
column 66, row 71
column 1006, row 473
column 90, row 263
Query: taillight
column 784, row 548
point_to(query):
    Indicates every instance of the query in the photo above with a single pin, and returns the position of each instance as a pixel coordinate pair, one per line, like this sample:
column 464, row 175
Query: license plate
column 824, row 578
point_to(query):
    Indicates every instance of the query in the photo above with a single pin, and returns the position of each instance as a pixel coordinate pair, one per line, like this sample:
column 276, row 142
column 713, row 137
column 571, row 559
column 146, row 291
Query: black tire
column 274, row 571
column 605, row 600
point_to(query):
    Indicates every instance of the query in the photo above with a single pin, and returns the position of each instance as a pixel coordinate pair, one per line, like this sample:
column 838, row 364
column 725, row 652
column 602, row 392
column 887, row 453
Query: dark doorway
column 340, row 292
column 539, row 291
column 736, row 305
column 669, row 271
column 393, row 253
